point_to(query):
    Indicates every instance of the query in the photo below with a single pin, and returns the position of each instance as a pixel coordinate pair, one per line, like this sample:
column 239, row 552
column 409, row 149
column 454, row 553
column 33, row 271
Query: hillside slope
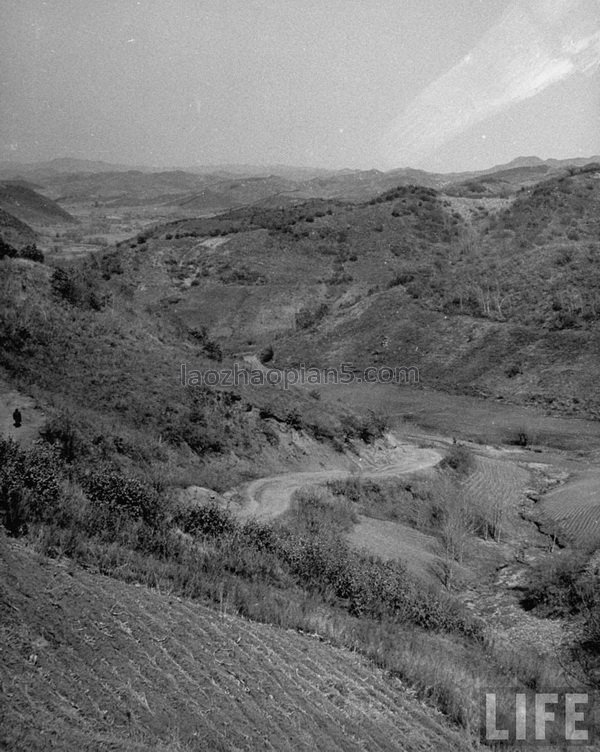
column 499, row 298
column 89, row 663
column 29, row 206
column 14, row 232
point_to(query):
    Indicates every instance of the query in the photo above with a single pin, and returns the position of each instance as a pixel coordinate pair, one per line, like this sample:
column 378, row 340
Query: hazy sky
column 439, row 84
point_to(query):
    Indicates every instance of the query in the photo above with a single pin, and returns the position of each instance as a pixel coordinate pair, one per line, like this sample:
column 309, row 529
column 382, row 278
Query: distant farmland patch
column 575, row 508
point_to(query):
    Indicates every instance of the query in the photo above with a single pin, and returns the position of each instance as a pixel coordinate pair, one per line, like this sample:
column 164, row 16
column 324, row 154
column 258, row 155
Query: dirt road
column 269, row 497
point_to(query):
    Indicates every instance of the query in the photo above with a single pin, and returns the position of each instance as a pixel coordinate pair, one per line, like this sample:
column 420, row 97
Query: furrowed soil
column 91, row 663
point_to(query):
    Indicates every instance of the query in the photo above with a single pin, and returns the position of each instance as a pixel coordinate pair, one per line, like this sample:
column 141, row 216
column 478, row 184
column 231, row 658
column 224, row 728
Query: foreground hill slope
column 90, row 663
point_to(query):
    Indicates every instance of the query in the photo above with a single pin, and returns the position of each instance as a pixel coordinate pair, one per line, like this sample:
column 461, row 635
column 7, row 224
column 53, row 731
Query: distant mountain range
column 219, row 187
column 72, row 165
column 61, row 165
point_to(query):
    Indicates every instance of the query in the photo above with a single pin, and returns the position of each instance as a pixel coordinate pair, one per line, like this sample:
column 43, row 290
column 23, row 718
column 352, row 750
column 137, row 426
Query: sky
column 440, row 85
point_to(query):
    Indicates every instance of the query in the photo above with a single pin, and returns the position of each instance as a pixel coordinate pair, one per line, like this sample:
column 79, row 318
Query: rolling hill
column 498, row 301
column 14, row 232
column 30, row 206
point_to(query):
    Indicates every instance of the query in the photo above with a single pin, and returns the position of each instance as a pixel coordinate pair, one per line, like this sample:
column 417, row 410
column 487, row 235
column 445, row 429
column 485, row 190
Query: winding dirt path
column 270, row 497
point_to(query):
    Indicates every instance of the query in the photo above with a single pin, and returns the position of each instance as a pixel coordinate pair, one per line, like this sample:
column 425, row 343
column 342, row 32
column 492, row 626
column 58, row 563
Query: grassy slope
column 90, row 663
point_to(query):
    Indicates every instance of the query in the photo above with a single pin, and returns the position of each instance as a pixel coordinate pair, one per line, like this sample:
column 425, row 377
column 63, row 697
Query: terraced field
column 496, row 483
column 575, row 508
column 90, row 663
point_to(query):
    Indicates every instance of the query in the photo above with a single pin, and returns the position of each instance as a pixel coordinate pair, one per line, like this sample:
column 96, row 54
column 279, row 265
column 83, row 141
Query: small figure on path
column 17, row 417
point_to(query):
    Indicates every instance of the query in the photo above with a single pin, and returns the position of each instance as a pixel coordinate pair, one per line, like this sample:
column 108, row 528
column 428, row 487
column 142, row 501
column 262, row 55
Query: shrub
column 459, row 458
column 30, row 485
column 512, row 370
column 32, row 253
column 308, row 318
column 294, row 419
column 61, row 430
column 259, row 536
column 557, row 586
column 115, row 497
column 78, row 287
column 209, row 520
column 366, row 428
column 521, row 437
column 110, row 264
column 7, row 250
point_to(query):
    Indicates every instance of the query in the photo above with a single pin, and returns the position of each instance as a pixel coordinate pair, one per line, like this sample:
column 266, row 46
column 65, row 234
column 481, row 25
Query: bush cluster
column 366, row 428
column 308, row 318
column 31, row 252
column 116, row 498
column 79, row 287
column 460, row 459
column 30, row 485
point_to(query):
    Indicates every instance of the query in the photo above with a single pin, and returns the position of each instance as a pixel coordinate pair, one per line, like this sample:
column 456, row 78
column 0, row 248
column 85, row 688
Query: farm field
column 90, row 663
column 501, row 484
column 575, row 508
